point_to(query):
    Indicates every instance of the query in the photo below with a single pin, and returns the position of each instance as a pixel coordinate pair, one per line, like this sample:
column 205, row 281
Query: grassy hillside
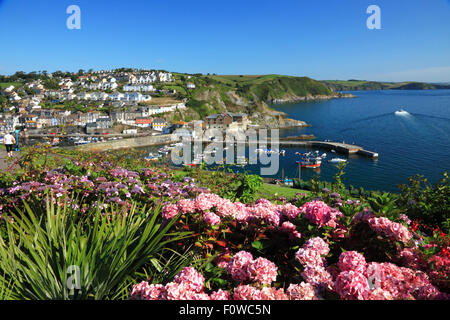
column 245, row 93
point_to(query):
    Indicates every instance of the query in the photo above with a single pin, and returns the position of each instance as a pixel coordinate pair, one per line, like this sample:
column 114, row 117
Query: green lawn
column 270, row 190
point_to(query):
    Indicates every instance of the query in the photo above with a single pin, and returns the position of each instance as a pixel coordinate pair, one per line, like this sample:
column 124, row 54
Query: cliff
column 253, row 95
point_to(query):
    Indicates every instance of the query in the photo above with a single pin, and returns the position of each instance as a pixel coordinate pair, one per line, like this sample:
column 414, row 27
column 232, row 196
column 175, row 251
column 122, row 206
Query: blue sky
column 323, row 39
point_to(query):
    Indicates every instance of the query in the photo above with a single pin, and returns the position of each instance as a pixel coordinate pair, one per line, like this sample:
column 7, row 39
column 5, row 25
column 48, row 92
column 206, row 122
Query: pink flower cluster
column 352, row 261
column 310, row 256
column 187, row 285
column 390, row 229
column 359, row 280
column 352, row 285
column 213, row 208
column 384, row 226
column 242, row 267
column 302, row 291
column 248, row 292
column 319, row 213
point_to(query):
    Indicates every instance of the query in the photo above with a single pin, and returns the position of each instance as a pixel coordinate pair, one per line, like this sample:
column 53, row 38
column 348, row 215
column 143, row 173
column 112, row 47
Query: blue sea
column 414, row 143
column 417, row 142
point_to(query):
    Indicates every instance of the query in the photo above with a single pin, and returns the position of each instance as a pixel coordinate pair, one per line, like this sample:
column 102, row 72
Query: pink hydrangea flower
column 302, row 291
column 226, row 208
column 220, row 295
column 137, row 290
column 191, row 278
column 211, row 218
column 262, row 211
column 380, row 294
column 319, row 213
column 206, row 201
column 238, row 265
column 389, row 229
column 169, row 211
column 246, row 292
column 308, row 257
column 262, row 271
column 351, row 285
column 290, row 211
column 271, row 293
column 317, row 244
column 318, row 275
column 186, row 206
column 178, row 291
column 352, row 260
column 242, row 214
column 154, row 292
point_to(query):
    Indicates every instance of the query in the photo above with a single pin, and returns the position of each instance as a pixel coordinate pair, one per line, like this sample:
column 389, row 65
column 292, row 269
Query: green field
column 4, row 85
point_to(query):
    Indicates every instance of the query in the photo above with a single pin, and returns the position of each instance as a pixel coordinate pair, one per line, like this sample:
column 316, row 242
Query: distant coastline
column 312, row 98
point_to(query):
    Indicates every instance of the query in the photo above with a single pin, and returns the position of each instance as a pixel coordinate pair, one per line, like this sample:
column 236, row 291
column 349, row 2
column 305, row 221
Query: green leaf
column 257, row 245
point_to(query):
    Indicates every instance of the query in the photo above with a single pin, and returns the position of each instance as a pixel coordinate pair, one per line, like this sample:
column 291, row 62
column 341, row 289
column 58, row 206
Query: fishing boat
column 311, row 160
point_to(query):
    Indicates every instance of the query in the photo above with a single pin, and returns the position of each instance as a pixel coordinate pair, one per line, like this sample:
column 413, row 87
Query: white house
column 190, row 86
column 9, row 89
column 70, row 96
column 15, row 97
column 116, row 96
column 95, row 96
column 83, row 95
column 138, row 87
column 137, row 97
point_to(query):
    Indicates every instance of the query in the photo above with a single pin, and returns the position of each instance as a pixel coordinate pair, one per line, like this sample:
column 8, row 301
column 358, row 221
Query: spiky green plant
column 56, row 255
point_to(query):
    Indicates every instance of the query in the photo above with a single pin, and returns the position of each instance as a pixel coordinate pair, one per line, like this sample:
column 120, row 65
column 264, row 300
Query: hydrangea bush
column 319, row 247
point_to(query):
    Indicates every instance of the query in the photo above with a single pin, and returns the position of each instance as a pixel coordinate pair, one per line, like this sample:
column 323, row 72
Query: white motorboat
column 402, row 112
column 337, row 160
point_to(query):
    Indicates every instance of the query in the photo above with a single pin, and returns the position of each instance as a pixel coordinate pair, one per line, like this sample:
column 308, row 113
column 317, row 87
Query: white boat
column 402, row 112
column 153, row 157
column 337, row 160
column 79, row 142
column 164, row 151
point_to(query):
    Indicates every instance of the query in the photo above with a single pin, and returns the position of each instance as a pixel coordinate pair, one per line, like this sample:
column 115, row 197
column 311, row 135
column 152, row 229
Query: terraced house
column 223, row 121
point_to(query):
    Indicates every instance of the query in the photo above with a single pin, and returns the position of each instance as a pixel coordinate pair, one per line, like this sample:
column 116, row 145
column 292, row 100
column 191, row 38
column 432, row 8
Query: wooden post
column 299, row 172
column 282, row 174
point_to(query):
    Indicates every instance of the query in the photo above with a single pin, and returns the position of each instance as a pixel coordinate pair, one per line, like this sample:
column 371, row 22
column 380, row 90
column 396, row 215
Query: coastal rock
column 292, row 99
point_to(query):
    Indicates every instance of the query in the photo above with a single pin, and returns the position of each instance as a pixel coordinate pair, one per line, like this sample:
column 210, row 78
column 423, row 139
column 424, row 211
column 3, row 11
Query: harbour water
column 413, row 142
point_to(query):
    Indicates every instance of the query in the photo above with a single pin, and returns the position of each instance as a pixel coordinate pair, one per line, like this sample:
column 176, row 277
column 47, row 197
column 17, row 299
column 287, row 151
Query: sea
column 408, row 143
